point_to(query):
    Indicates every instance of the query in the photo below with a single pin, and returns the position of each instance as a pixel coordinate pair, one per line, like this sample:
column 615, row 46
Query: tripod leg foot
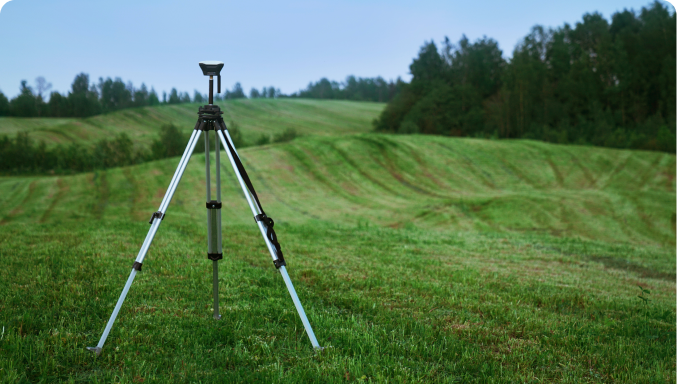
column 217, row 317
column 96, row 350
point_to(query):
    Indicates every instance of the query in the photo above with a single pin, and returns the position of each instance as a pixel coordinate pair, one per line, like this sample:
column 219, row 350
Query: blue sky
column 282, row 43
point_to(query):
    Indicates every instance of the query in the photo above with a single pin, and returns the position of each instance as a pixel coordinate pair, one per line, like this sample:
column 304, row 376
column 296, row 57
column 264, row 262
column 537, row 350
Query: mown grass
column 417, row 258
column 388, row 305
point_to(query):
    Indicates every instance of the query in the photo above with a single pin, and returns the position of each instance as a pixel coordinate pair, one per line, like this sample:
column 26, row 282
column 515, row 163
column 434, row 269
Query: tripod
column 210, row 120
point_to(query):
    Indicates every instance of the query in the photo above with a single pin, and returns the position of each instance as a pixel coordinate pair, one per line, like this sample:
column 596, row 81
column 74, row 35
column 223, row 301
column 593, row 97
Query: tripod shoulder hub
column 209, row 109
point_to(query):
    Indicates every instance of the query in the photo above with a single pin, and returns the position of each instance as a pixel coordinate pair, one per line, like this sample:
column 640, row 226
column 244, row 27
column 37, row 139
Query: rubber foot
column 217, row 317
column 96, row 350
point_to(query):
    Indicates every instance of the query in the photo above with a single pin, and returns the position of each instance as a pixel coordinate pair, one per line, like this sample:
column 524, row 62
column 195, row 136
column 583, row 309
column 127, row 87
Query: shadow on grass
column 622, row 264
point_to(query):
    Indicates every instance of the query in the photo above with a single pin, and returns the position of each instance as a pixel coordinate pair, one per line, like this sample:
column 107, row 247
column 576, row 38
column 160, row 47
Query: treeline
column 607, row 84
column 84, row 99
column 21, row 155
column 266, row 92
column 359, row 89
column 88, row 99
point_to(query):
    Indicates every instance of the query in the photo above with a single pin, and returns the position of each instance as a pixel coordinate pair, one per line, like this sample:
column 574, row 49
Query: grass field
column 417, row 258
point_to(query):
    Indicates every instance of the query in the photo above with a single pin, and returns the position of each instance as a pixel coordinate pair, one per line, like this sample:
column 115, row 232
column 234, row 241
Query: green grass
column 417, row 258
column 254, row 117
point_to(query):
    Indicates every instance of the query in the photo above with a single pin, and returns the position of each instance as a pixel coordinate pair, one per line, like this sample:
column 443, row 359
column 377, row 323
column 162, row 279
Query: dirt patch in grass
column 160, row 193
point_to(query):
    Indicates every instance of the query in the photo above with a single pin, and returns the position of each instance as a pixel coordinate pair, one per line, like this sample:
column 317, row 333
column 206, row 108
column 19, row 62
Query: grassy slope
column 431, row 182
column 254, row 117
column 418, row 259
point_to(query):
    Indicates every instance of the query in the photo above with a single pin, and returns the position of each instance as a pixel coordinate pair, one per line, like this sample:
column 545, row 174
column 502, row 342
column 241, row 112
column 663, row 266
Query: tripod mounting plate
column 211, row 68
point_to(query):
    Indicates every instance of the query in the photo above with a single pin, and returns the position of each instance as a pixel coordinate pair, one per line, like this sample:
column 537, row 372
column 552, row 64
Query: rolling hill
column 447, row 184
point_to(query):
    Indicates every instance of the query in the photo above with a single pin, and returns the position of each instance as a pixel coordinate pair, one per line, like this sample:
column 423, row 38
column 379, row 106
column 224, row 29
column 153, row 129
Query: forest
column 598, row 83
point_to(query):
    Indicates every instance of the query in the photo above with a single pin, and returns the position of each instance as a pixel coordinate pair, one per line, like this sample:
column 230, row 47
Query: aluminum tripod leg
column 217, row 156
column 156, row 220
column 290, row 287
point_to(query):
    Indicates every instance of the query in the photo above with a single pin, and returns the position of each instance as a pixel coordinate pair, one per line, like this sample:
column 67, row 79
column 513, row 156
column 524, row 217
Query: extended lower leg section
column 111, row 321
column 299, row 307
column 217, row 315
column 264, row 226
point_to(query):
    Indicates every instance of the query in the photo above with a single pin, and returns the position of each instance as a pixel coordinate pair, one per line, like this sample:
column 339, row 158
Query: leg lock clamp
column 156, row 214
column 279, row 262
column 272, row 237
column 215, row 256
column 213, row 205
column 137, row 266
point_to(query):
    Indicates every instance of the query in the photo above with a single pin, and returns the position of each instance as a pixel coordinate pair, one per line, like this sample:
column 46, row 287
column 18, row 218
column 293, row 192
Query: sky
column 285, row 44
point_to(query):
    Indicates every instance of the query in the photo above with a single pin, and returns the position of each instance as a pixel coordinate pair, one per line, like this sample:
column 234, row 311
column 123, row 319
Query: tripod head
column 211, row 69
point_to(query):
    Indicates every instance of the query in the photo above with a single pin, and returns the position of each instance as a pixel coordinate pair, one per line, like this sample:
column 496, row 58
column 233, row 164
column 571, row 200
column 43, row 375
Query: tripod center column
column 213, row 206
column 214, row 251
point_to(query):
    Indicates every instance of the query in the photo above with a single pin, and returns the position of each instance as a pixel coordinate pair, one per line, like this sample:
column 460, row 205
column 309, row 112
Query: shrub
column 408, row 127
column 236, row 135
column 262, row 140
column 170, row 143
column 287, row 135
column 666, row 139
column 21, row 156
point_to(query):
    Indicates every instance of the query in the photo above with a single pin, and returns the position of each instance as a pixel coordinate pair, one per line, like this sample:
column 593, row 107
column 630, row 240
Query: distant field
column 254, row 116
column 418, row 259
